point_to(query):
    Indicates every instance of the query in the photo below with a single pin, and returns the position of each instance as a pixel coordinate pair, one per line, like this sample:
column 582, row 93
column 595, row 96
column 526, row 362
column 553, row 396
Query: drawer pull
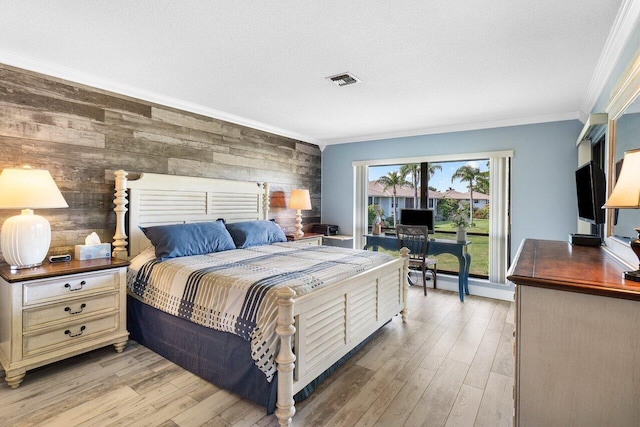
column 82, row 307
column 77, row 288
column 68, row 332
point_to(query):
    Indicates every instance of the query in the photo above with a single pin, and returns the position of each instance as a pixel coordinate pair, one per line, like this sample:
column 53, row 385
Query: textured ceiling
column 425, row 66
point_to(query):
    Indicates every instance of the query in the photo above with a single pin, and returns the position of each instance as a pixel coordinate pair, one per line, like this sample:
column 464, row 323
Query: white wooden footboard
column 329, row 323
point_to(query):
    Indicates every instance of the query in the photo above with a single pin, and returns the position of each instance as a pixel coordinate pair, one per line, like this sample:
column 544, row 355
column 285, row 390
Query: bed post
column 285, row 408
column 404, row 253
column 265, row 201
column 120, row 200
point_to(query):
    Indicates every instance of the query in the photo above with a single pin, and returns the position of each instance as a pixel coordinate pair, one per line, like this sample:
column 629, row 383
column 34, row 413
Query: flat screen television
column 590, row 188
column 417, row 217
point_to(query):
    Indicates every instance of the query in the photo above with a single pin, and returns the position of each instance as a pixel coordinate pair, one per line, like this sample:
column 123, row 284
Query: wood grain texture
column 82, row 134
column 138, row 387
column 566, row 267
column 48, row 269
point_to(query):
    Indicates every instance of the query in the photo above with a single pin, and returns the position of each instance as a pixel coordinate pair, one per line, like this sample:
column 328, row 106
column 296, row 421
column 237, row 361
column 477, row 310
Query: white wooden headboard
column 156, row 199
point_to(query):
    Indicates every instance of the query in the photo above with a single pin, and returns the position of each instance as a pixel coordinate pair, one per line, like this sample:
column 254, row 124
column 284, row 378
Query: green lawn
column 478, row 249
column 479, row 226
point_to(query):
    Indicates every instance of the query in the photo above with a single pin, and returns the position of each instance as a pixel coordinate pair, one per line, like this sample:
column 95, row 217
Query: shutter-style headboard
column 155, row 199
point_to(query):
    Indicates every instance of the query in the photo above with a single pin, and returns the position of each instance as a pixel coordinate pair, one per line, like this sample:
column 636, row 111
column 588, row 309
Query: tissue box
column 84, row 252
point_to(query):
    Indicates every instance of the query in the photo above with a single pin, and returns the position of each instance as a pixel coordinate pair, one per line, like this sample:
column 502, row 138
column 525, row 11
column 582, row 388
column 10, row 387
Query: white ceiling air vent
column 343, row 79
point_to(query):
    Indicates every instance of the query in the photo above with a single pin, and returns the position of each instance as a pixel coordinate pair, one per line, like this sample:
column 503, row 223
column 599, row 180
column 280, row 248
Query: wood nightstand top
column 48, row 269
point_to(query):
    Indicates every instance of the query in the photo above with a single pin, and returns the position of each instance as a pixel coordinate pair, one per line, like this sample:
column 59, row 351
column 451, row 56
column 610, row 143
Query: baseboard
column 477, row 287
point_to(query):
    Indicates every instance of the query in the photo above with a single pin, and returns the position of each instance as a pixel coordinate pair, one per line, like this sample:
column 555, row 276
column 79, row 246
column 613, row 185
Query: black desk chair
column 416, row 239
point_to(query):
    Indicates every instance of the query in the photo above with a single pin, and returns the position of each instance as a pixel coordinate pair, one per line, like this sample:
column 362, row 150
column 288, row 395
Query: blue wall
column 543, row 187
column 543, row 196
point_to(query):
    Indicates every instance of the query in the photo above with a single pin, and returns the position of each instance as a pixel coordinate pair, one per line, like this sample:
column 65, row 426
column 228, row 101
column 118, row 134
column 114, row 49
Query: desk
column 436, row 247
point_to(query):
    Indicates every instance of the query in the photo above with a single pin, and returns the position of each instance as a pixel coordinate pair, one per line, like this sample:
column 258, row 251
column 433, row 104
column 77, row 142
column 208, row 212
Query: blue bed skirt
column 221, row 358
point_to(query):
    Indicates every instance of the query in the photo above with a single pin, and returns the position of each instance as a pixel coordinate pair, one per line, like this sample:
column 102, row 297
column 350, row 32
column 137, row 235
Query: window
column 489, row 210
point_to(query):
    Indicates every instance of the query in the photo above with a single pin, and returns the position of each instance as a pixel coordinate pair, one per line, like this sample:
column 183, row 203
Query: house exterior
column 377, row 195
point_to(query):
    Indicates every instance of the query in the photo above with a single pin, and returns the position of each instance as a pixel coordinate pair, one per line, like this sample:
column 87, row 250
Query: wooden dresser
column 56, row 311
column 577, row 342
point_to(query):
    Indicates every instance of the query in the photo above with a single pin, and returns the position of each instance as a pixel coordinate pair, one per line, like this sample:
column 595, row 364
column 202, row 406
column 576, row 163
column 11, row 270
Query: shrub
column 482, row 213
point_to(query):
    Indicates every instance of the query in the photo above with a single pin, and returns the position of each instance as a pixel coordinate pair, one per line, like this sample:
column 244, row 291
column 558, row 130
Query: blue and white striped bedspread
column 235, row 291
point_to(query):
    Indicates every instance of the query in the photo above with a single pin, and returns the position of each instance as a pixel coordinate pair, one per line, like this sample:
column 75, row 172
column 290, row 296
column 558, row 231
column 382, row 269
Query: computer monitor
column 417, row 217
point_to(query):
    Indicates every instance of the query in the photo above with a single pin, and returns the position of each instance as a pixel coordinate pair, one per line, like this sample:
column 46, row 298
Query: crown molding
column 520, row 121
column 65, row 73
column 621, row 31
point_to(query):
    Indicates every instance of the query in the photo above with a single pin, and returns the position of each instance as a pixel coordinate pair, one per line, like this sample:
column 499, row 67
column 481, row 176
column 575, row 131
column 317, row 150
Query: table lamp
column 25, row 238
column 626, row 195
column 299, row 200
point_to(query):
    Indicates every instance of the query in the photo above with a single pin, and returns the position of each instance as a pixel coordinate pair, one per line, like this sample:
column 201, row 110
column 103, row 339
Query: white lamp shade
column 29, row 189
column 300, row 200
column 25, row 238
column 626, row 194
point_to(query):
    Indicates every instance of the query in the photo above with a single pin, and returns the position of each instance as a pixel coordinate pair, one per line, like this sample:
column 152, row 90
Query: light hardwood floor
column 451, row 364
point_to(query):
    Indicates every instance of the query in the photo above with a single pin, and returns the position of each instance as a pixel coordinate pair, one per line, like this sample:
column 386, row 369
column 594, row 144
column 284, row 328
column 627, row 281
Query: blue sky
column 441, row 180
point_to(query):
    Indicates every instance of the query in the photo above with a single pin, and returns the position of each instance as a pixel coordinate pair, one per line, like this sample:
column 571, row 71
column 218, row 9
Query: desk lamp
column 299, row 200
column 25, row 238
column 626, row 195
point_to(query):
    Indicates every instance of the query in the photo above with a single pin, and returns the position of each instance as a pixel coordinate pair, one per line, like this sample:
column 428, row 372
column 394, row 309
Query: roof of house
column 375, row 189
column 453, row 194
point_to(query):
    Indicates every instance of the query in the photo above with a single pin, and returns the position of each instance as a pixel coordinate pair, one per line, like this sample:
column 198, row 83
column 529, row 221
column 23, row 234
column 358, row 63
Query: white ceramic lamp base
column 298, row 233
column 25, row 240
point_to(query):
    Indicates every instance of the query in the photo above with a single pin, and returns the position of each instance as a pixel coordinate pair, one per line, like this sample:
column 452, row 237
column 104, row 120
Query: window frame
column 500, row 201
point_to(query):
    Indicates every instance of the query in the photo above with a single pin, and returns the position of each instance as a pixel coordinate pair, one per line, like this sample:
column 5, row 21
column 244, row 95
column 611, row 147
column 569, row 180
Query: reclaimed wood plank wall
column 82, row 134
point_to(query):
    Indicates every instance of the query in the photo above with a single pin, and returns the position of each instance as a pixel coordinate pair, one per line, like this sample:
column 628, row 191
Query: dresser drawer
column 69, row 310
column 68, row 286
column 68, row 334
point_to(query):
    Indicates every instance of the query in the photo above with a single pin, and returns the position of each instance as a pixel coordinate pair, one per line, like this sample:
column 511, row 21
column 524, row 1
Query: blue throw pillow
column 198, row 238
column 254, row 233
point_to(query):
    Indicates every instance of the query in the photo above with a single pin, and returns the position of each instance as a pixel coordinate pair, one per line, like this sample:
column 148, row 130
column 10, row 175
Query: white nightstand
column 56, row 311
column 307, row 239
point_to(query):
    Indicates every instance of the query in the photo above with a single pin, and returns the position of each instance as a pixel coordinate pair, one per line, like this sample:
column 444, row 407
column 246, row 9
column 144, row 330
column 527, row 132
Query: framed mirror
column 623, row 135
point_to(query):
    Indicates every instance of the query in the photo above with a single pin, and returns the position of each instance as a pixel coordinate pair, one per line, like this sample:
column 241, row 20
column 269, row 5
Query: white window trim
column 498, row 219
column 434, row 159
column 360, row 206
column 498, row 203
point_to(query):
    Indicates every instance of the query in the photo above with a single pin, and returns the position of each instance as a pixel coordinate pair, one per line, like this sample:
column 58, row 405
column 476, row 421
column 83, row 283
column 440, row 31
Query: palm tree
column 412, row 169
column 471, row 175
column 482, row 183
column 393, row 180
column 431, row 170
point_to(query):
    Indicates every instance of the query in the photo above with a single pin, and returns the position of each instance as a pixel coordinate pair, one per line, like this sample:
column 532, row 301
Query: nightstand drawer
column 69, row 310
column 68, row 286
column 308, row 241
column 68, row 334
